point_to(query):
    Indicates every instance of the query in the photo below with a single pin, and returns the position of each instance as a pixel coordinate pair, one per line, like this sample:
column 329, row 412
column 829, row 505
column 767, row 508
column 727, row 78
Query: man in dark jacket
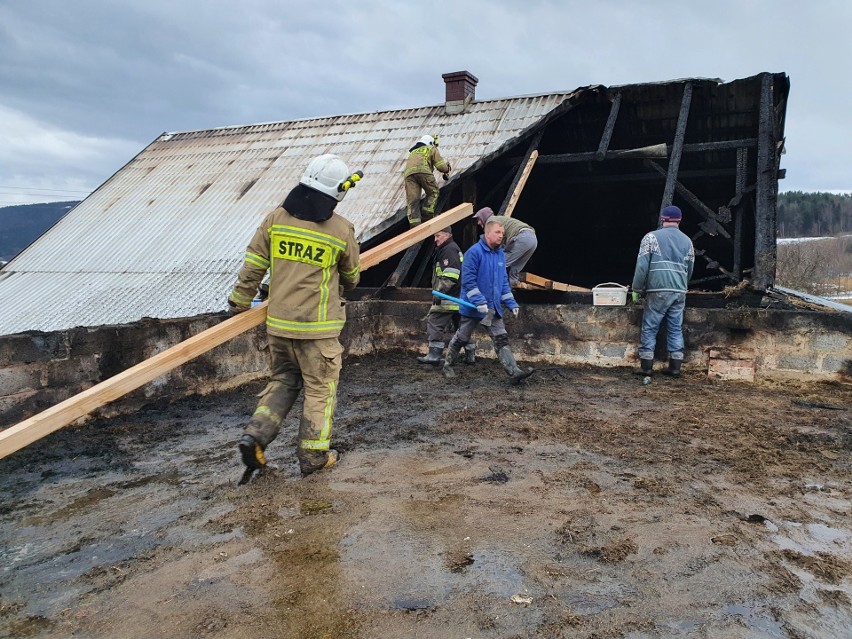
column 486, row 286
column 443, row 317
column 663, row 269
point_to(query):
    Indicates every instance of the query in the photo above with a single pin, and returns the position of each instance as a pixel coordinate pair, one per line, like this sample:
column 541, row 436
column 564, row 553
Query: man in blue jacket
column 484, row 283
column 663, row 269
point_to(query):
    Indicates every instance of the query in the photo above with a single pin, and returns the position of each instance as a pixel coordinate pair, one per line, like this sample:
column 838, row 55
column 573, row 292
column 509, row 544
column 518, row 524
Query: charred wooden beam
column 647, row 177
column 677, row 147
column 714, row 264
column 723, row 145
column 603, row 147
column 655, row 151
column 711, row 225
column 767, row 189
column 742, row 171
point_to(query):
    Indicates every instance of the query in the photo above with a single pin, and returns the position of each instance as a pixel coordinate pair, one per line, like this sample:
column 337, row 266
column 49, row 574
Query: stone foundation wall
column 38, row 370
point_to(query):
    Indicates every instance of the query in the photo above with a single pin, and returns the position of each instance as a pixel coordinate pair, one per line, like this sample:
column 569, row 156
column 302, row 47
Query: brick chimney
column 461, row 90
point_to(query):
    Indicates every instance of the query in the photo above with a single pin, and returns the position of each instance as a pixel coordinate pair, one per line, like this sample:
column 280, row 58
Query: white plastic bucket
column 609, row 294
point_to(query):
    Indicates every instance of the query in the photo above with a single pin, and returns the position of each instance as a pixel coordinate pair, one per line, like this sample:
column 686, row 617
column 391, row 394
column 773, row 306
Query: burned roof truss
column 609, row 159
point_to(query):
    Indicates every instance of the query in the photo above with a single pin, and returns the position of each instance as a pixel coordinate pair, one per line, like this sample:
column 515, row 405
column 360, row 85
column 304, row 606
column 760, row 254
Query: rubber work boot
column 252, row 452
column 646, row 367
column 432, row 357
column 323, row 459
column 469, row 354
column 514, row 371
column 450, row 359
column 674, row 368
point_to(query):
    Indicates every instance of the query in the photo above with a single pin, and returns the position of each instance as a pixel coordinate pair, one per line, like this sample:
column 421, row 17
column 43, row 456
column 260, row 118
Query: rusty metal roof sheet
column 165, row 236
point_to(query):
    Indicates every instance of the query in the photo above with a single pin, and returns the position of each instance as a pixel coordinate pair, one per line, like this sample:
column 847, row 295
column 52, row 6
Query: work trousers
column 440, row 324
column 662, row 306
column 312, row 364
column 467, row 325
column 414, row 183
column 518, row 253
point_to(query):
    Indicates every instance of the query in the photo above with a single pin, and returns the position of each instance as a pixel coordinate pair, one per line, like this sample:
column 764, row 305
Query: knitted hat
column 483, row 214
column 671, row 214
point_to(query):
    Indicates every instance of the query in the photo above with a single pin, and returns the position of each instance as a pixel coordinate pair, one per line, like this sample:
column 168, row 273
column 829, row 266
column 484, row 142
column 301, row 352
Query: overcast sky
column 87, row 84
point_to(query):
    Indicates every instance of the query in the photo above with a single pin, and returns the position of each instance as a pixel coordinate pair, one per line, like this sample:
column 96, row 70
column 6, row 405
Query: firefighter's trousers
column 296, row 363
column 414, row 183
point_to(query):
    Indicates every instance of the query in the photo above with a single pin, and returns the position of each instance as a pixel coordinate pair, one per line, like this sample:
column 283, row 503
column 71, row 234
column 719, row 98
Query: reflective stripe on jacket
column 308, row 262
column 425, row 159
column 446, row 277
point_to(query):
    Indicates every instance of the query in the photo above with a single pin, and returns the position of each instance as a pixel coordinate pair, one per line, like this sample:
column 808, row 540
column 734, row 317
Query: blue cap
column 671, row 214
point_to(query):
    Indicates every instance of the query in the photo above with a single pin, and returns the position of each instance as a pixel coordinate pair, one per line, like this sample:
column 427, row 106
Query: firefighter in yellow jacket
column 311, row 254
column 423, row 159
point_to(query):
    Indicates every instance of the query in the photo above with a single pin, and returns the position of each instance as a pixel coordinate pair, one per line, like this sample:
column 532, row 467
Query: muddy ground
column 580, row 504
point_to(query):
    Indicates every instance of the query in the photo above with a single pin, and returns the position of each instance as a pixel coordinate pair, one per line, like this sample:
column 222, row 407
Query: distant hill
column 814, row 214
column 23, row 223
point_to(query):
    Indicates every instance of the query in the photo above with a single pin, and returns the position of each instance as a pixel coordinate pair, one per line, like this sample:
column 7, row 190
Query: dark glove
column 446, row 176
column 234, row 309
column 482, row 308
column 515, row 311
column 263, row 291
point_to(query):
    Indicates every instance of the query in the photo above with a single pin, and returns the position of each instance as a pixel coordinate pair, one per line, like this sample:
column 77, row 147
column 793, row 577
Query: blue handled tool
column 453, row 299
column 485, row 321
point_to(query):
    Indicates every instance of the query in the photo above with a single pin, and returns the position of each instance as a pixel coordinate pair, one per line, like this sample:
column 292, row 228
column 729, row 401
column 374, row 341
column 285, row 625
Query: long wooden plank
column 413, row 235
column 26, row 432
column 516, row 194
column 543, row 282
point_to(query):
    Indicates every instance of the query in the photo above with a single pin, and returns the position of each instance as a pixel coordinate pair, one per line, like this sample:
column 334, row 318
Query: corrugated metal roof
column 165, row 236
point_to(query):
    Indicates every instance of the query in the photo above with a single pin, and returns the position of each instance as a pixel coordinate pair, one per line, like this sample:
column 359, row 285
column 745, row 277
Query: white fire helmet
column 428, row 140
column 325, row 174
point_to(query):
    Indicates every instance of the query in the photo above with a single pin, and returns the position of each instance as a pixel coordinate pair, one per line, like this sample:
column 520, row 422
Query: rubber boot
column 452, row 355
column 251, row 452
column 432, row 357
column 511, row 366
column 674, row 368
column 646, row 367
column 470, row 354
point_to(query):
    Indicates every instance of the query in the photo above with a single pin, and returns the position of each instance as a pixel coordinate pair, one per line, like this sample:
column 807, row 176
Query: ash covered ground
column 579, row 504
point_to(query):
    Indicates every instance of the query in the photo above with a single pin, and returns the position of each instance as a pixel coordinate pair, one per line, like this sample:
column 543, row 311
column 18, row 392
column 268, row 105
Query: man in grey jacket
column 663, row 269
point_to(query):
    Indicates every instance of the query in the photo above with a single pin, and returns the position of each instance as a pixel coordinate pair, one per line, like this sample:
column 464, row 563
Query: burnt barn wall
column 591, row 197
column 40, row 370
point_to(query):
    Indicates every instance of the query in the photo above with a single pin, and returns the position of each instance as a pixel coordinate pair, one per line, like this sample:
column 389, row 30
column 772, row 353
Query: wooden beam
column 603, row 147
column 521, row 177
column 712, row 225
column 26, row 432
column 543, row 282
column 413, row 235
column 655, row 151
column 677, row 147
column 765, row 254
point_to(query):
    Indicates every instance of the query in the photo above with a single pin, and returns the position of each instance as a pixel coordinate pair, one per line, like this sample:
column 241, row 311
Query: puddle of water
column 417, row 575
column 756, row 620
